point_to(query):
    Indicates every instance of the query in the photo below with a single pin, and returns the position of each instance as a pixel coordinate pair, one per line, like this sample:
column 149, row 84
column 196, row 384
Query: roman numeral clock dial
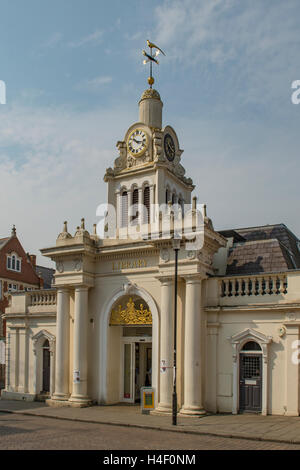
column 169, row 147
column 137, row 142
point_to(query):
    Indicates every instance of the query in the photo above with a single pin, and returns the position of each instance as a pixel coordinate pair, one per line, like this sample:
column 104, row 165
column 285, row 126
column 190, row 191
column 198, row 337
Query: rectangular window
column 8, row 262
column 12, row 287
column 18, row 265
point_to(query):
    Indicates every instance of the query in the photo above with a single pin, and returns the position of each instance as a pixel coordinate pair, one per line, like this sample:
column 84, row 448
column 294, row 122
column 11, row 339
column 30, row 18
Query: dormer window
column 13, row 262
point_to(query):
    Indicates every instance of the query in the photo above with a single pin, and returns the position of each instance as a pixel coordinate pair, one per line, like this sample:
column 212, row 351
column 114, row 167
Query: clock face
column 169, row 147
column 137, row 142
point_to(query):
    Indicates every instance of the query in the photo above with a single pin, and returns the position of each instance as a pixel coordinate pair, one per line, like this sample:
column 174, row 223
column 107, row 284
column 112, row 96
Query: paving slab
column 244, row 426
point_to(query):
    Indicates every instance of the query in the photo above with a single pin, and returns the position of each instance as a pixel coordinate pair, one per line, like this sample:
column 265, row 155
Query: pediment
column 250, row 334
column 43, row 334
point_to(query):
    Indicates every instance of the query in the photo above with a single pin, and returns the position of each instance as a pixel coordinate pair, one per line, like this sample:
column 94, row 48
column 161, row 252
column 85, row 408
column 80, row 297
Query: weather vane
column 151, row 58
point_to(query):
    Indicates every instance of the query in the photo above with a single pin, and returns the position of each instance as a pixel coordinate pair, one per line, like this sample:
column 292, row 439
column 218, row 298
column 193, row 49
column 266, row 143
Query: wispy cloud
column 58, row 172
column 53, row 40
column 93, row 38
column 255, row 42
column 94, row 84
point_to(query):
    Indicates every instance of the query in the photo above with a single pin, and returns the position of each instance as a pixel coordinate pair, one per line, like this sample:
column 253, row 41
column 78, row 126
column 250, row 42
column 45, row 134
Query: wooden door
column 46, row 367
column 250, row 382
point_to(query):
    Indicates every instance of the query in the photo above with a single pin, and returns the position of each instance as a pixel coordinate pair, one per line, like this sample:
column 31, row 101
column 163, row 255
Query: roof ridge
column 262, row 226
column 251, row 242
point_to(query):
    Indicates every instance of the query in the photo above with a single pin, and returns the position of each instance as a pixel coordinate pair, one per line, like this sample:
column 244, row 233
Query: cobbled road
column 19, row 432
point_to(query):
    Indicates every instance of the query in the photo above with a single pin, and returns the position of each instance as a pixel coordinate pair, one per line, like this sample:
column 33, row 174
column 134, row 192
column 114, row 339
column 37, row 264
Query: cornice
column 128, row 272
column 251, row 307
column 125, row 252
column 27, row 316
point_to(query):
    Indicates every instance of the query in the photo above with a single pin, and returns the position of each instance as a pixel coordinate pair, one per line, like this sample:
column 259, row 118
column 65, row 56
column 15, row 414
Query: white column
column 62, row 345
column 26, row 359
column 212, row 370
column 118, row 205
column 193, row 348
column 152, row 202
column 140, row 207
column 22, row 358
column 8, row 361
column 35, row 389
column 166, row 345
column 235, row 379
column 292, row 370
column 14, row 359
column 52, row 368
column 80, row 363
column 129, row 204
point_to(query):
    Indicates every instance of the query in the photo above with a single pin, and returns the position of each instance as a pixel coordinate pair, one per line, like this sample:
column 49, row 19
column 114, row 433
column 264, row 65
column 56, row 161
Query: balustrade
column 254, row 286
column 43, row 297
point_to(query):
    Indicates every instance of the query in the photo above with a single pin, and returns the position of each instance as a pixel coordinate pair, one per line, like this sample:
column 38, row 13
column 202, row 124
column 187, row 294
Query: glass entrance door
column 136, row 370
column 128, row 372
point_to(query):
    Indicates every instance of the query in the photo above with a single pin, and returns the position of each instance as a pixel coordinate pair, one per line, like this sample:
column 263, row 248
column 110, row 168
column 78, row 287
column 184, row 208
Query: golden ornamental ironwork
column 131, row 315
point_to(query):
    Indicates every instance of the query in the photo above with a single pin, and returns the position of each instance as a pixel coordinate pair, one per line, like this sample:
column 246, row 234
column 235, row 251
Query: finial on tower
column 13, row 231
column 151, row 58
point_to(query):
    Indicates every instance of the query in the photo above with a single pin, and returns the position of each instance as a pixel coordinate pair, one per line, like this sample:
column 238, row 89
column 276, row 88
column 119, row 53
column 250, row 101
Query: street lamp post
column 176, row 247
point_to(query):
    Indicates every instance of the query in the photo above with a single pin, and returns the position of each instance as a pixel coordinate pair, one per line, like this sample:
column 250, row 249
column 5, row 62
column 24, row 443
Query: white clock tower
column 148, row 169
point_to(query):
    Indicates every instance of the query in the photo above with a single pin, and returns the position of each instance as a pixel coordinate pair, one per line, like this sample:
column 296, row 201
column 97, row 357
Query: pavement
column 283, row 429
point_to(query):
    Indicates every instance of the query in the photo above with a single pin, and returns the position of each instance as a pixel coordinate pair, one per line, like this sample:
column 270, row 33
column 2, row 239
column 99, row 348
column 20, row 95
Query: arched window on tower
column 135, row 202
column 181, row 204
column 167, row 196
column 124, row 209
column 146, row 205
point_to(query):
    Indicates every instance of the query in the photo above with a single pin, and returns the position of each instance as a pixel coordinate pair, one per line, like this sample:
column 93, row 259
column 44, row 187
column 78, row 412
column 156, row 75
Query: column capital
column 63, row 289
column 165, row 280
column 80, row 288
column 193, row 278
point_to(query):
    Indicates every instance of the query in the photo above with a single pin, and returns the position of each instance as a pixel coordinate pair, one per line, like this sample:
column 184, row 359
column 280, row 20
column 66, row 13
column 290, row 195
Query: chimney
column 33, row 260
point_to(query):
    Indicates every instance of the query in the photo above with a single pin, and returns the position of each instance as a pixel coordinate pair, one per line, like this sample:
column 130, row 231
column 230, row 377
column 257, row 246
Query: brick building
column 18, row 271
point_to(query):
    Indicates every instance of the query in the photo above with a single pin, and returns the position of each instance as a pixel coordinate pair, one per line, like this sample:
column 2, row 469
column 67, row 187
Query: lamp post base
column 174, row 409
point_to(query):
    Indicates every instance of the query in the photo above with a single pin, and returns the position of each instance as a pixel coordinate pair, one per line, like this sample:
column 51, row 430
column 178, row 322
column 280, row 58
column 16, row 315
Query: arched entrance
column 44, row 360
column 250, row 371
column 251, row 377
column 133, row 318
column 114, row 337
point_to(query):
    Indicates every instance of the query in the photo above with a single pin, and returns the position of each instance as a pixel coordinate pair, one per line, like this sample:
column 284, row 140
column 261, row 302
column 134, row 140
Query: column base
column 162, row 409
column 57, row 403
column 79, row 401
column 192, row 411
column 60, row 396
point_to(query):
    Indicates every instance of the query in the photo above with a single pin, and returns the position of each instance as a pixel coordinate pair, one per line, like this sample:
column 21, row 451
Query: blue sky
column 74, row 74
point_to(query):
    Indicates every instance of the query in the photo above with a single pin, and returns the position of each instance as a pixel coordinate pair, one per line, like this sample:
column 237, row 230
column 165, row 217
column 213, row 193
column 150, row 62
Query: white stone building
column 107, row 327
